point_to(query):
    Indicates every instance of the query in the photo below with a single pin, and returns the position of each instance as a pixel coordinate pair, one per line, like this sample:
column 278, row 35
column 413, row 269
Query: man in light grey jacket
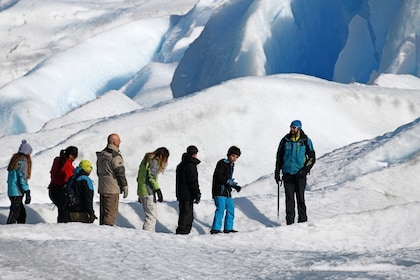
column 112, row 180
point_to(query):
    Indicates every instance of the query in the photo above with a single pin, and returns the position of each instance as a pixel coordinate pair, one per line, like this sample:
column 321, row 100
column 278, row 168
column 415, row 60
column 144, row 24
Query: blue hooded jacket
column 293, row 156
column 17, row 182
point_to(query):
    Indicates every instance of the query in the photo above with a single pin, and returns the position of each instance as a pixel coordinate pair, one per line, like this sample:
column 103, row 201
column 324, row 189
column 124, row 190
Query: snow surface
column 362, row 196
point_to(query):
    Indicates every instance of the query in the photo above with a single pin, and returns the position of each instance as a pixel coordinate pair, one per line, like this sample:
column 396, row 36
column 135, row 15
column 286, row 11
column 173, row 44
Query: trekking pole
column 279, row 183
column 278, row 199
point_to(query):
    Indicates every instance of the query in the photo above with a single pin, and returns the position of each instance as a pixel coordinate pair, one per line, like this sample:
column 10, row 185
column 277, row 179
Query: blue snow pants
column 223, row 204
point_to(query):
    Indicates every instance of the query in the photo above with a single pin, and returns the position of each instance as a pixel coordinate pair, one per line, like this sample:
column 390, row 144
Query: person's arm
column 119, row 171
column 310, row 156
column 153, row 174
column 279, row 161
column 192, row 179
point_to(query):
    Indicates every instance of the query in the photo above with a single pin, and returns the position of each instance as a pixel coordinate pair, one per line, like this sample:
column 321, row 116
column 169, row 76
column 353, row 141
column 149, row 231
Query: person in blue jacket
column 80, row 208
column 19, row 172
column 223, row 183
column 295, row 158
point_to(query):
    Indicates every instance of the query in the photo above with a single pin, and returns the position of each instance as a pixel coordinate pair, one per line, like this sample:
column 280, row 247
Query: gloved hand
column 139, row 200
column 92, row 218
column 159, row 194
column 277, row 177
column 197, row 199
column 231, row 182
column 237, row 188
column 27, row 197
column 124, row 191
column 302, row 172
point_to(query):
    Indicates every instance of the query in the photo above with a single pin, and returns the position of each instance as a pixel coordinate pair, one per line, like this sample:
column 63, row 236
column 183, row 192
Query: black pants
column 17, row 210
column 57, row 196
column 186, row 217
column 295, row 185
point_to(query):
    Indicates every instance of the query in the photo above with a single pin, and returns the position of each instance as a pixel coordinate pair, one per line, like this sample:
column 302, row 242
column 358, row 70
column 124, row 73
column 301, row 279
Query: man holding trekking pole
column 295, row 158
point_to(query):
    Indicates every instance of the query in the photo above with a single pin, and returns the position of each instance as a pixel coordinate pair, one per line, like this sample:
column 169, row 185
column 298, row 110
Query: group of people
column 295, row 158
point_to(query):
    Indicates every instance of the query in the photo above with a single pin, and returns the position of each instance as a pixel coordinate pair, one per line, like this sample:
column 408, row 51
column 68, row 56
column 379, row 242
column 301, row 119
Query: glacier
column 342, row 41
column 212, row 42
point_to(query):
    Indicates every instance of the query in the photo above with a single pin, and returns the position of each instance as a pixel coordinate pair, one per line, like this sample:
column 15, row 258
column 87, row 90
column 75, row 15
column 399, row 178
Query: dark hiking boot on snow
column 230, row 231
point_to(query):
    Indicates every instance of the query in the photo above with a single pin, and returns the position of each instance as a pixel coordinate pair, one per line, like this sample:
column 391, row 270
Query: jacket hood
column 187, row 158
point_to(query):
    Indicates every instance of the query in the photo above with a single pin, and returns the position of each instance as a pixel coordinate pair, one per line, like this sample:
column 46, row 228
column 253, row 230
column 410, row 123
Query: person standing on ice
column 295, row 158
column 223, row 183
column 187, row 189
column 112, row 181
column 148, row 187
column 19, row 171
column 61, row 171
column 81, row 208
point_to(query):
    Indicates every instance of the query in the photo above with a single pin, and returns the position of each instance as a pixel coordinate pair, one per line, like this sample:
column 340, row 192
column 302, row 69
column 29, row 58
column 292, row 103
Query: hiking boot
column 215, row 231
column 230, row 231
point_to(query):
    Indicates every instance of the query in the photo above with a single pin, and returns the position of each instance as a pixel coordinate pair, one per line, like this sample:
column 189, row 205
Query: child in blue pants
column 223, row 183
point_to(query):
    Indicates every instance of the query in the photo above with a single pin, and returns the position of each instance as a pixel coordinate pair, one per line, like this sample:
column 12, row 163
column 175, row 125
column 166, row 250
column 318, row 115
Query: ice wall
column 338, row 40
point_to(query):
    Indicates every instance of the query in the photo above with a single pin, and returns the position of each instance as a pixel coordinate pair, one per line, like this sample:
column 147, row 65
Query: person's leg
column 185, row 217
column 220, row 202
column 289, row 191
column 300, row 198
column 150, row 212
column 101, row 209
column 14, row 209
column 21, row 219
column 56, row 197
column 230, row 215
column 109, row 210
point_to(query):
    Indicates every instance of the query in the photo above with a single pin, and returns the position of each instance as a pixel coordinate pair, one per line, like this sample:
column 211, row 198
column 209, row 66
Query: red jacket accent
column 59, row 176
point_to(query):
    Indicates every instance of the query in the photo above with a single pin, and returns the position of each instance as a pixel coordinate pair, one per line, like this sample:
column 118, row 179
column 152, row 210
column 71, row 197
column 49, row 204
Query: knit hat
column 25, row 148
column 296, row 123
column 234, row 151
column 86, row 165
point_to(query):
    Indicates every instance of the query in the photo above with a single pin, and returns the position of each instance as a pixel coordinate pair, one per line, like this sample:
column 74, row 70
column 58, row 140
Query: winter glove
column 124, row 191
column 92, row 218
column 302, row 172
column 27, row 197
column 197, row 199
column 237, row 188
column 277, row 177
column 139, row 200
column 231, row 182
column 159, row 194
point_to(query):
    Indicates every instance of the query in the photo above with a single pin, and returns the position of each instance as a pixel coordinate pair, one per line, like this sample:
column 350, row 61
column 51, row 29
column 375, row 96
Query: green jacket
column 147, row 177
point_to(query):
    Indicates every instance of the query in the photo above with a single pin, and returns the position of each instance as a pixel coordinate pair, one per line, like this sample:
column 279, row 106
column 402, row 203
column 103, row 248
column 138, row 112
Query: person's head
column 162, row 155
column 86, row 165
column 295, row 127
column 25, row 148
column 192, row 150
column 114, row 139
column 233, row 153
column 71, row 152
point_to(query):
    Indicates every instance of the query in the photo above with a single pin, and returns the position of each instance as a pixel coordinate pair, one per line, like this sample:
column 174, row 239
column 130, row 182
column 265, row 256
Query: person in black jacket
column 187, row 189
column 223, row 182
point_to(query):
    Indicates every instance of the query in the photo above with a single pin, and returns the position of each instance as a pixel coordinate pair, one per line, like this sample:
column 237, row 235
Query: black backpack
column 71, row 198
